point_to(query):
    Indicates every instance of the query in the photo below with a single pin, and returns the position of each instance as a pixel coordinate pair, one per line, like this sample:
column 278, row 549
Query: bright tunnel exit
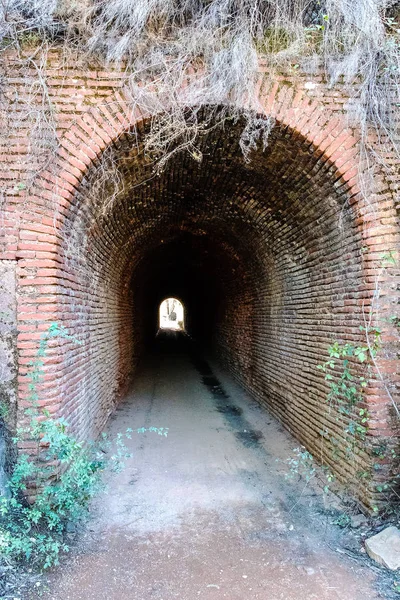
column 172, row 315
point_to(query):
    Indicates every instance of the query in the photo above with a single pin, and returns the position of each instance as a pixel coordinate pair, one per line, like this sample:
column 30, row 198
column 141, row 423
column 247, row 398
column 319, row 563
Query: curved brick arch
column 81, row 147
column 100, row 127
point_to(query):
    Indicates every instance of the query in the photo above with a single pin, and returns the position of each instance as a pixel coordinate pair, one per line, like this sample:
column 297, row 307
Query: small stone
column 70, row 527
column 384, row 547
column 357, row 521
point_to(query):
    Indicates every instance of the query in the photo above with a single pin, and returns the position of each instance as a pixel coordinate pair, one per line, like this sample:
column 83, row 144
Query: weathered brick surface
column 8, row 334
column 274, row 259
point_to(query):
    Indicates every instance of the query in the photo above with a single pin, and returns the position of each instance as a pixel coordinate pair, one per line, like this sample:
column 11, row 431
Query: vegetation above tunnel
column 190, row 53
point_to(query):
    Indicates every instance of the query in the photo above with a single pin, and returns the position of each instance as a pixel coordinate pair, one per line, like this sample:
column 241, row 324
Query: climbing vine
column 346, row 388
column 348, row 371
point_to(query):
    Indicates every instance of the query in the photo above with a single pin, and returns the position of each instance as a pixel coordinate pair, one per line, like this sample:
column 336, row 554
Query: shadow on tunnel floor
column 178, row 343
column 170, row 341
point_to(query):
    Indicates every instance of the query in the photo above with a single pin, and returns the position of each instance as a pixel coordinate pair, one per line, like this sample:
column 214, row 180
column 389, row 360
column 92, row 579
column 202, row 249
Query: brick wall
column 8, row 335
column 274, row 259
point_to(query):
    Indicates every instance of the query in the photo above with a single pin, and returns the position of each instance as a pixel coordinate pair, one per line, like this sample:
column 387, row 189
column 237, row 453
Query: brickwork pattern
column 274, row 259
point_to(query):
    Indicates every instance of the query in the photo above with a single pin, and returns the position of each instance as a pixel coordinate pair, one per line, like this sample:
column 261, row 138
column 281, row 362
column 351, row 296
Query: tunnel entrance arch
column 274, row 241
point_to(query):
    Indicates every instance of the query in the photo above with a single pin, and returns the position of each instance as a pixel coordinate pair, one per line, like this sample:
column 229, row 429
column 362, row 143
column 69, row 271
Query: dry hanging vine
column 181, row 55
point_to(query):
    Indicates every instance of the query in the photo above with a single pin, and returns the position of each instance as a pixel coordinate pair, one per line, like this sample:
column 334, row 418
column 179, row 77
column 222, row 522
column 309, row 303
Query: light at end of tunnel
column 172, row 315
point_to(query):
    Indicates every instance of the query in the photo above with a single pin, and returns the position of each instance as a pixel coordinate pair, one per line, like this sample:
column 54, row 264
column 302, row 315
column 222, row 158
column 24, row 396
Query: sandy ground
column 206, row 512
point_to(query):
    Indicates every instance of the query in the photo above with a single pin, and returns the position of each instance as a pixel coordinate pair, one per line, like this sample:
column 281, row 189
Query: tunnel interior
column 193, row 268
column 265, row 255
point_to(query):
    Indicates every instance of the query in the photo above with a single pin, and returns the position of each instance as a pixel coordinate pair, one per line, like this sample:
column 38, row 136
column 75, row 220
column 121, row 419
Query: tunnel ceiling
column 268, row 207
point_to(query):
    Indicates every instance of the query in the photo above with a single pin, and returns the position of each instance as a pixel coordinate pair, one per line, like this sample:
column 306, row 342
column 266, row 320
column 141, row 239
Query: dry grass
column 181, row 55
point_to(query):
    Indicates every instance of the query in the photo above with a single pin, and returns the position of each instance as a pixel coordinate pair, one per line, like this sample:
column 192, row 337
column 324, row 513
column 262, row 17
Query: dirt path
column 206, row 512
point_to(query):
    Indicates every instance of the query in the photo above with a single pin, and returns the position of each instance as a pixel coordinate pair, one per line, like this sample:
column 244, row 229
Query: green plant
column 64, row 480
column 159, row 430
column 275, row 40
column 395, row 320
column 4, row 411
column 388, row 259
column 301, row 464
column 19, row 187
column 343, row 520
column 53, row 487
column 346, row 387
column 346, row 373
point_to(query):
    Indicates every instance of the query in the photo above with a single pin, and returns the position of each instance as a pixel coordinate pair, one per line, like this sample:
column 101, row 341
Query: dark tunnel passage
column 264, row 255
column 196, row 270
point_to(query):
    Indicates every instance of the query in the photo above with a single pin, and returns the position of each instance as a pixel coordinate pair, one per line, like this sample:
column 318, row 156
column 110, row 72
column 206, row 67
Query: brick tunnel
column 274, row 259
column 265, row 256
column 135, row 170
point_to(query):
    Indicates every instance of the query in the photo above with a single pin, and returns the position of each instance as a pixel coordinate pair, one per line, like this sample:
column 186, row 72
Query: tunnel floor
column 205, row 512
